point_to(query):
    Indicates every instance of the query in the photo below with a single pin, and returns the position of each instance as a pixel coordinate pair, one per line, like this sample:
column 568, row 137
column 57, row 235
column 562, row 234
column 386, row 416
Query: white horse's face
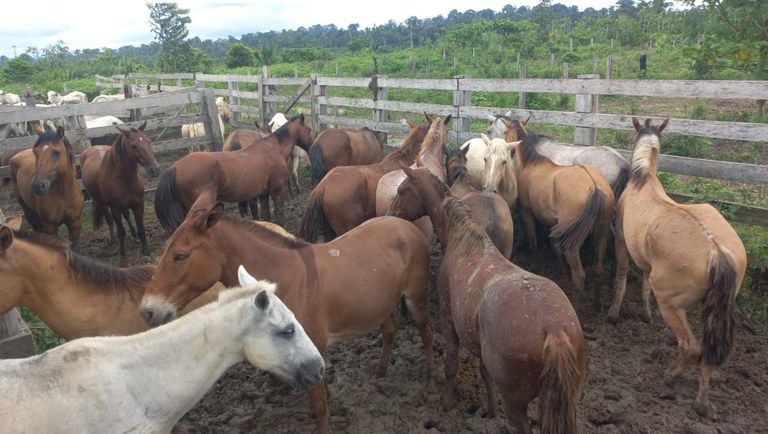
column 497, row 160
column 277, row 342
column 496, row 128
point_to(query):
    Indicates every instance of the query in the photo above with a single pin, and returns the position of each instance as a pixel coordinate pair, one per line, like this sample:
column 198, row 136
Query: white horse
column 75, row 97
column 148, row 381
column 197, row 129
column 297, row 156
column 9, row 98
column 491, row 168
column 611, row 164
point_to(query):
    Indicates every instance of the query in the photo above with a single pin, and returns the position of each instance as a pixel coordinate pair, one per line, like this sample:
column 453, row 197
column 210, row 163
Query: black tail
column 168, row 206
column 313, row 218
column 318, row 165
column 717, row 312
column 571, row 234
column 621, row 182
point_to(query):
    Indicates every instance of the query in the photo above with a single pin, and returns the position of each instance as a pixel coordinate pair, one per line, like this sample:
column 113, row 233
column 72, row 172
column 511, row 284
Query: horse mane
column 233, row 294
column 51, row 136
column 457, row 172
column 432, row 135
column 645, row 156
column 520, row 130
column 528, row 150
column 87, row 270
column 263, row 232
column 282, row 132
column 411, row 147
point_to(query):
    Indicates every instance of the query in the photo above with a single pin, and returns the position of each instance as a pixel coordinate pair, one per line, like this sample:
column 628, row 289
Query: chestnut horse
column 489, row 210
column 111, row 177
column 521, row 326
column 256, row 171
column 344, row 147
column 346, row 196
column 45, row 185
column 687, row 253
column 73, row 294
column 338, row 290
column 574, row 201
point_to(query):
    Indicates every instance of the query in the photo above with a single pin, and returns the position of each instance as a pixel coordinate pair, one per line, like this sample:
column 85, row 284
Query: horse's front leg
column 278, row 199
column 118, row 213
column 138, row 214
column 264, row 212
column 452, row 350
column 131, row 227
column 529, row 222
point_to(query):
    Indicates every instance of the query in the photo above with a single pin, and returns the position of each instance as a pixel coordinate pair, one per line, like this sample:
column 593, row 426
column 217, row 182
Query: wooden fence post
column 380, row 115
column 461, row 98
column 234, row 101
column 521, row 95
column 208, row 108
column 608, row 67
column 586, row 103
column 317, row 108
column 16, row 339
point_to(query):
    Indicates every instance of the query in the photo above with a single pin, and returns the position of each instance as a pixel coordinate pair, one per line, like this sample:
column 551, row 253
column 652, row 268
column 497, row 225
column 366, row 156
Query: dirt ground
column 624, row 391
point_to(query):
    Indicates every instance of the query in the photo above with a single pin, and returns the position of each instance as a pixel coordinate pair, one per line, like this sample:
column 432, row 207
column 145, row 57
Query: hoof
column 702, row 409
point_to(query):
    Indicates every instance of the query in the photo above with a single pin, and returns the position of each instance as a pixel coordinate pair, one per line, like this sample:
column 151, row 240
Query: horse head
column 53, row 156
column 138, row 147
column 498, row 162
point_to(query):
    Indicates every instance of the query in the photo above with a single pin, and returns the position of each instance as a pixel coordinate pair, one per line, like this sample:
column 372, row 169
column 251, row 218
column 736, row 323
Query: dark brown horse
column 346, row 196
column 44, row 182
column 344, row 147
column 256, row 171
column 520, row 325
column 111, row 177
column 489, row 210
column 337, row 290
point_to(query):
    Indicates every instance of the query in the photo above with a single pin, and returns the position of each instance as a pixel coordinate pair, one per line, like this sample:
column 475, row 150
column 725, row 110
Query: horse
column 344, row 147
column 521, row 325
column 431, row 156
column 574, row 201
column 489, row 210
column 73, row 294
column 613, row 166
column 44, row 182
column 687, row 253
column 75, row 97
column 147, row 382
column 338, row 290
column 111, row 178
column 197, row 129
column 346, row 196
column 241, row 138
column 259, row 170
column 298, row 154
column 491, row 168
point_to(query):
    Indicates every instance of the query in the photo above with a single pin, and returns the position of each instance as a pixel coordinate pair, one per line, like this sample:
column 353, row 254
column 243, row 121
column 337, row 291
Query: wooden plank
column 343, row 81
column 415, row 83
column 176, row 76
column 290, row 81
column 15, row 337
column 226, row 78
column 245, row 94
column 245, row 109
column 408, row 107
column 298, row 96
column 285, row 99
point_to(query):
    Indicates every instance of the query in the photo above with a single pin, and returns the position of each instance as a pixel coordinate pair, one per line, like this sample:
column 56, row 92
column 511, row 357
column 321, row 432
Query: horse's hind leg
column 388, row 330
column 417, row 305
column 517, row 415
column 701, row 405
column 490, row 390
column 138, row 214
column 264, row 212
column 577, row 270
column 243, row 208
column 688, row 347
column 117, row 213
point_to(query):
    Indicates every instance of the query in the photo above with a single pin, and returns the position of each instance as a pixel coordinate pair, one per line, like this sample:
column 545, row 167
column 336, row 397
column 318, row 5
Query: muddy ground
column 624, row 391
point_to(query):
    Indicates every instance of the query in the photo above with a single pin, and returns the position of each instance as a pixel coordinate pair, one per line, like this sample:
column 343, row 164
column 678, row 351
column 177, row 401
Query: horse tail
column 313, row 218
column 168, row 205
column 317, row 164
column 717, row 312
column 621, row 182
column 559, row 386
column 571, row 234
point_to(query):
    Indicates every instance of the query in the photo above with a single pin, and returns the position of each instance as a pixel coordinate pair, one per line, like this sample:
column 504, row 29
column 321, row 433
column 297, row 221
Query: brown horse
column 573, row 200
column 44, row 182
column 520, row 325
column 687, row 253
column 74, row 295
column 110, row 175
column 241, row 138
column 489, row 210
column 344, row 147
column 337, row 290
column 256, row 171
column 346, row 197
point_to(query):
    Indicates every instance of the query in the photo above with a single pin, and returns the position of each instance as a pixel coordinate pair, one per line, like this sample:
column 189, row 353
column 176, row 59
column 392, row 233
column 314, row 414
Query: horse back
column 22, row 166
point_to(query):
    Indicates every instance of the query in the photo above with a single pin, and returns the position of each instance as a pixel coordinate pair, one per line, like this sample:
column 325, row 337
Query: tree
column 169, row 24
column 238, row 55
column 18, row 70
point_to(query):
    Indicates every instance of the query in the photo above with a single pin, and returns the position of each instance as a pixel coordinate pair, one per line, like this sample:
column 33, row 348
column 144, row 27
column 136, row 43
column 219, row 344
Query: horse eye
column 56, row 154
column 288, row 332
column 180, row 257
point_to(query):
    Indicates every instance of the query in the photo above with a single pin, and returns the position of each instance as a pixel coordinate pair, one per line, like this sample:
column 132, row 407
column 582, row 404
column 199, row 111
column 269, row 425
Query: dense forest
column 714, row 40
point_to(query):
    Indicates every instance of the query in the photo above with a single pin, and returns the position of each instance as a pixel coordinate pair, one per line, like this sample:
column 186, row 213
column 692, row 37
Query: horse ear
column 663, row 125
column 301, row 116
column 464, row 150
column 508, row 113
column 262, row 300
column 214, row 215
column 142, row 126
column 125, row 132
column 485, row 139
column 491, row 117
column 6, row 238
column 408, row 171
column 410, row 125
column 447, row 119
column 244, row 277
column 429, row 118
column 636, row 124
column 60, row 132
column 525, row 121
column 512, row 146
column 418, row 162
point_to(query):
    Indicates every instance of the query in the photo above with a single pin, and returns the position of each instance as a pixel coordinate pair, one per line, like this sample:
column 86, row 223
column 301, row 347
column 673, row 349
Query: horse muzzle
column 41, row 187
column 156, row 317
column 151, row 170
column 309, row 374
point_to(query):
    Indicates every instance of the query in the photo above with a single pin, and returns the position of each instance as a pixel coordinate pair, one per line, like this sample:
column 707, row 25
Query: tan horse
column 74, row 295
column 338, row 290
column 45, row 185
column 520, row 325
column 346, row 197
column 687, row 253
column 489, row 210
column 344, row 147
column 573, row 200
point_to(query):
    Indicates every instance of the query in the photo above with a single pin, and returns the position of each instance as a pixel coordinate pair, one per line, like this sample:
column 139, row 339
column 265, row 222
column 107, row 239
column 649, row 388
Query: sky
column 113, row 25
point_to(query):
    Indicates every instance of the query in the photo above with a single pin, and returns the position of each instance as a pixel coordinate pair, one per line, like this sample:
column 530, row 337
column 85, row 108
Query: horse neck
column 58, row 299
column 460, row 185
column 432, row 158
column 185, row 357
column 117, row 160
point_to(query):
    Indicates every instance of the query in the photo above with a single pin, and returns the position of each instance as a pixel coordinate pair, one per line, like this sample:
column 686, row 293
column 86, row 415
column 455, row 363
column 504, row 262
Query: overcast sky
column 85, row 25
